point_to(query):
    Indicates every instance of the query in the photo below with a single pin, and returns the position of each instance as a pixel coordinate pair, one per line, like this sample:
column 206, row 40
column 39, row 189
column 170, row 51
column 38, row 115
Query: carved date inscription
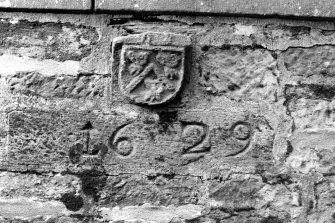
column 193, row 139
column 150, row 67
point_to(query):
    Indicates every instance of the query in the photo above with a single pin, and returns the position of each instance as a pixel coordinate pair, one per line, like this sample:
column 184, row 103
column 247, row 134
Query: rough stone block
column 156, row 189
column 57, row 86
column 38, row 137
column 250, row 192
column 23, row 208
column 37, row 198
column 46, row 40
column 311, row 105
column 306, row 62
column 312, row 152
column 241, row 73
column 47, row 4
column 311, row 108
column 14, row 185
column 325, row 195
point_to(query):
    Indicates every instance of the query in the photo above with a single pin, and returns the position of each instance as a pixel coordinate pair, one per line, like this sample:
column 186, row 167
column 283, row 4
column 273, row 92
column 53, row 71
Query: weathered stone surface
column 256, row 194
column 248, row 138
column 20, row 208
column 310, row 8
column 318, row 60
column 34, row 53
column 324, row 208
column 311, row 105
column 121, row 144
column 313, row 152
column 311, row 108
column 47, row 41
column 271, row 36
column 57, row 86
column 160, row 190
column 47, row 4
column 43, row 187
column 241, row 73
column 39, row 198
column 206, row 140
column 55, row 139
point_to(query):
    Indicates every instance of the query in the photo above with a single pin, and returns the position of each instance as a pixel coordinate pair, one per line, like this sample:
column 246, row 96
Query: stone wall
column 133, row 118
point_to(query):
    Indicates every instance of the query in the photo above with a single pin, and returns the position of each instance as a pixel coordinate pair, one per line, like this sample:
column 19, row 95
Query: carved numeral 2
column 196, row 139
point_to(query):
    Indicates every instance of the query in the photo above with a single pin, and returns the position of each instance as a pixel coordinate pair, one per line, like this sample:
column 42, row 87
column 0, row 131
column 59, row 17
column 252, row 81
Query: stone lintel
column 300, row 8
column 296, row 8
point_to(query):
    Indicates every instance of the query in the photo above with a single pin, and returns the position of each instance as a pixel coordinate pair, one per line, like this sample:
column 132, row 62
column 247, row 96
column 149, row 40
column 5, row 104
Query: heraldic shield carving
column 150, row 66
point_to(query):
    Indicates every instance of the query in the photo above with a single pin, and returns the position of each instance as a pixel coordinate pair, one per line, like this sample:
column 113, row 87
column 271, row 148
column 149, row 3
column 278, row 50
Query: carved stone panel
column 192, row 142
column 150, row 67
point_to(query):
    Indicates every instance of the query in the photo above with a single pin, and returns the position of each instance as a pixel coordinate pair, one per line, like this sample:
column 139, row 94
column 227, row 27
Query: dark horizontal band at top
column 299, row 8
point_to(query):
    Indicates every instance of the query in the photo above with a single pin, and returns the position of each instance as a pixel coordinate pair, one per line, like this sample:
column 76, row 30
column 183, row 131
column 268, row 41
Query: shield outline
column 123, row 71
column 155, row 40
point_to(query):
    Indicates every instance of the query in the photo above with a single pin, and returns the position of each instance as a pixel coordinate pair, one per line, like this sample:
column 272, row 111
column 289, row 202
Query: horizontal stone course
column 304, row 8
column 47, row 4
column 310, row 8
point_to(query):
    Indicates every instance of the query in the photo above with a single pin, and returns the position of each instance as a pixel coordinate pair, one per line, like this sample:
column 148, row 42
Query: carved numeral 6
column 121, row 143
